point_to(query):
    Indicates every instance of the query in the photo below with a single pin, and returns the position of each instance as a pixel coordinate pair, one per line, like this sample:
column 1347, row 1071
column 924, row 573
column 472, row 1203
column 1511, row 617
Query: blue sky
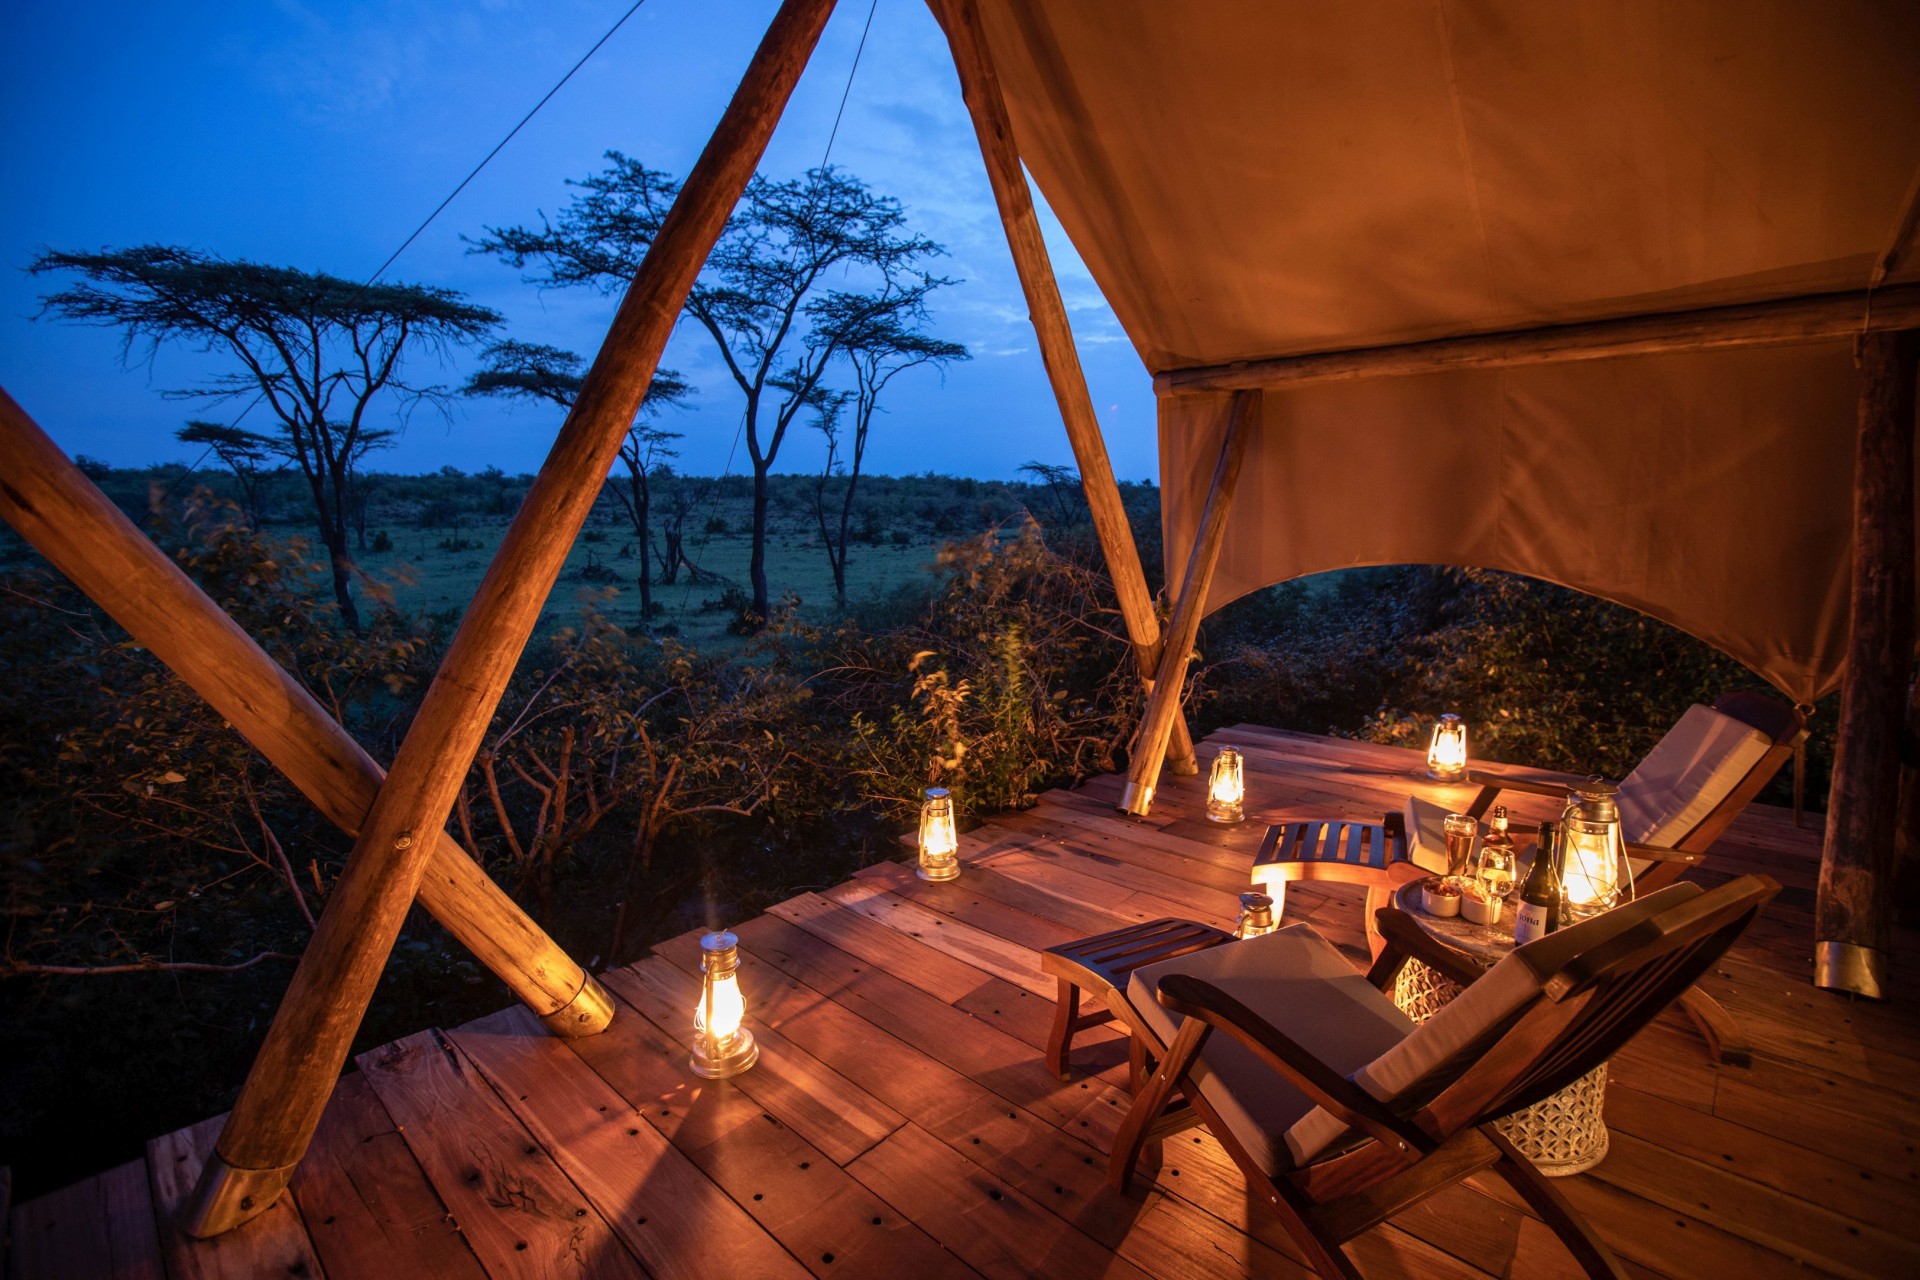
column 319, row 135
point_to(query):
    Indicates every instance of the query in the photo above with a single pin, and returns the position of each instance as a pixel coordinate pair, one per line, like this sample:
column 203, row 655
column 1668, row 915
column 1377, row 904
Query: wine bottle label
column 1529, row 922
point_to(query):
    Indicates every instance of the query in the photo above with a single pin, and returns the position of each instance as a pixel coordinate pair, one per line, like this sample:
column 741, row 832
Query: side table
column 1562, row 1135
column 1100, row 966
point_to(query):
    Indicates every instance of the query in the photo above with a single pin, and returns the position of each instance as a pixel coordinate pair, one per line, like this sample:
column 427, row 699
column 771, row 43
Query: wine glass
column 1495, row 872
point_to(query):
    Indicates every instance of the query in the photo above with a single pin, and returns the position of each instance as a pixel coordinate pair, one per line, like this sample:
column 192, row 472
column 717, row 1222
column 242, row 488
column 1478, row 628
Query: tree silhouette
column 540, row 372
column 243, row 452
column 878, row 347
column 764, row 296
column 316, row 349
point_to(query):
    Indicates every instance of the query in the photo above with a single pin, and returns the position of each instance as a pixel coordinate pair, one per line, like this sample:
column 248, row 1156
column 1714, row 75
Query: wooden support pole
column 1788, row 322
column 280, row 1104
column 1853, row 926
column 1143, row 771
column 82, row 534
column 980, row 86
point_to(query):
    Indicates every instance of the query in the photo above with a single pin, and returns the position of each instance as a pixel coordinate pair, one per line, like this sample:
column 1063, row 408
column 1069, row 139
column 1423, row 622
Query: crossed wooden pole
column 401, row 851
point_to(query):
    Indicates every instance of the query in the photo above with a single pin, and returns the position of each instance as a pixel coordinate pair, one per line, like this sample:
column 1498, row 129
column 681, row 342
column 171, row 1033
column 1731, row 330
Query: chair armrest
column 1660, row 853
column 1406, row 940
column 1197, row 998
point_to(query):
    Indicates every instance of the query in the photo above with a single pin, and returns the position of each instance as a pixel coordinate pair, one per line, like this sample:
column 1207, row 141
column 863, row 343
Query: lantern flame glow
column 939, row 839
column 1227, row 787
column 722, row 1045
column 1447, row 752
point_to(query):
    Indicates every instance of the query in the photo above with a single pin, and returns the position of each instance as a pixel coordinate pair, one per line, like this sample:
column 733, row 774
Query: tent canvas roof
column 1250, row 179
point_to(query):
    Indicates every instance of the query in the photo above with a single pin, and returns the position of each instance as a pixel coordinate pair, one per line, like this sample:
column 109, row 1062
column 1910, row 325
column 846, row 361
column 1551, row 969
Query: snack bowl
column 1477, row 905
column 1440, row 896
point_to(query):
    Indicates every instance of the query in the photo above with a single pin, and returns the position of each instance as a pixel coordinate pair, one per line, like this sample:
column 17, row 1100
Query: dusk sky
column 319, row 136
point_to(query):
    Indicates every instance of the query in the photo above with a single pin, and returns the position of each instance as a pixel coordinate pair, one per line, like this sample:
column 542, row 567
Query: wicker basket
column 1564, row 1134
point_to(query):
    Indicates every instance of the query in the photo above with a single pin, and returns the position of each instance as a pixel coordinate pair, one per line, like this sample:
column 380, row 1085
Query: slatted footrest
column 1101, row 965
column 1356, row 852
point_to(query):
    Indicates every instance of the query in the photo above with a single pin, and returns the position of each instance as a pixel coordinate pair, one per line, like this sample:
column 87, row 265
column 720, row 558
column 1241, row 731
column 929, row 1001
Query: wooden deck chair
column 1341, row 1112
column 1673, row 806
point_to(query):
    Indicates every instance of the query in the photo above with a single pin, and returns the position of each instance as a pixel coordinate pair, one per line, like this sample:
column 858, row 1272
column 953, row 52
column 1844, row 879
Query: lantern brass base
column 947, row 871
column 1226, row 819
column 740, row 1055
column 226, row 1197
column 588, row 1014
column 1442, row 775
column 1850, row 967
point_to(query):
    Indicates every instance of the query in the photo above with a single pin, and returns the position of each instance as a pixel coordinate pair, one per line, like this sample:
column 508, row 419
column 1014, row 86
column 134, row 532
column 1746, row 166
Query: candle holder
column 1227, row 788
column 939, row 840
column 722, row 1045
column 1593, row 866
column 1447, row 751
column 1256, row 916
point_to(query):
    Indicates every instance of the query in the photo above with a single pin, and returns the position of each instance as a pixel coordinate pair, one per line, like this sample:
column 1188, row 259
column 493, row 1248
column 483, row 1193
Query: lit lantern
column 722, row 1046
column 939, row 841
column 1227, row 788
column 1593, row 860
column 1256, row 916
column 1447, row 753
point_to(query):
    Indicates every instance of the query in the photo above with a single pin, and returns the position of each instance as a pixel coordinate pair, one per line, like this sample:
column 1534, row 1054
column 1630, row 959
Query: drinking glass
column 1461, row 831
column 1497, row 872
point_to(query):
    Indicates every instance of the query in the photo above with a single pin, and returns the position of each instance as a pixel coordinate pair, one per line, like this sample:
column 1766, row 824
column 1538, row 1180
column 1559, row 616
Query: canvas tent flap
column 1736, row 540
column 1259, row 178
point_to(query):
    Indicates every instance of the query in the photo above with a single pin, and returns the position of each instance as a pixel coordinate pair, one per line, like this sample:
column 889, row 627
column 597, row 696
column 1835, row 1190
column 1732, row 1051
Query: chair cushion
column 1696, row 766
column 1476, row 1013
column 1296, row 980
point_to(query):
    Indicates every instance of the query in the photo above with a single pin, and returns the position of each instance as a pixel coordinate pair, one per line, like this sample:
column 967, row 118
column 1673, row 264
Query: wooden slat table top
column 901, row 1120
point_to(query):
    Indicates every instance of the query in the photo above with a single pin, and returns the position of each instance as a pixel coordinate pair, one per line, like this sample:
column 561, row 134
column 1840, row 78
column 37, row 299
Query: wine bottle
column 1540, row 895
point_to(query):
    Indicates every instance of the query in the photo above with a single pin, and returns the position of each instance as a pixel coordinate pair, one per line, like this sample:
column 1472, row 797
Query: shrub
column 1009, row 680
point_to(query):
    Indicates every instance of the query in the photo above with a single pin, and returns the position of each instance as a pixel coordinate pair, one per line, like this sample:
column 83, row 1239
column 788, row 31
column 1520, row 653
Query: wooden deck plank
column 995, row 1228
column 834, row 1226
column 963, row 900
column 1008, row 1066
column 985, row 951
column 273, row 1244
column 662, row 1206
column 821, row 1105
column 1796, row 1171
column 367, row 1203
column 900, row 1082
column 519, row 1211
column 1794, row 1226
column 103, row 1226
column 1065, row 1172
column 933, row 971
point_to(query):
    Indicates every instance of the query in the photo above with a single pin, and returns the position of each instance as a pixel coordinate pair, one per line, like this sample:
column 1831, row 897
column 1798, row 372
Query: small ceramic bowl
column 1439, row 897
column 1480, row 910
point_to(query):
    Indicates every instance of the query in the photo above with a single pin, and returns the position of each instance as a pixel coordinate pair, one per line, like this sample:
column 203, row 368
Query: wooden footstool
column 1101, row 965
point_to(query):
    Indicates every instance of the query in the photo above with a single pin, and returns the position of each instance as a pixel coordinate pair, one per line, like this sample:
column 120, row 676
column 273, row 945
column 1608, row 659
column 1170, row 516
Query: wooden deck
column 901, row 1122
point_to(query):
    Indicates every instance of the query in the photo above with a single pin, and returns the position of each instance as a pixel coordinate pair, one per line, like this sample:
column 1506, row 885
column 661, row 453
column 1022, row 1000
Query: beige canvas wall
column 1252, row 178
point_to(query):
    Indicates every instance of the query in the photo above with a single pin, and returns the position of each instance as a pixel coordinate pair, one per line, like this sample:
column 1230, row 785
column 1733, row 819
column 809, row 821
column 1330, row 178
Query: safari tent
column 1619, row 296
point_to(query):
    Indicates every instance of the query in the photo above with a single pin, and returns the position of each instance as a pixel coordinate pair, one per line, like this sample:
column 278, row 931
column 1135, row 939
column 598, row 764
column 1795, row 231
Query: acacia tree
column 316, row 349
column 243, row 452
column 763, row 295
column 878, row 348
column 540, row 372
